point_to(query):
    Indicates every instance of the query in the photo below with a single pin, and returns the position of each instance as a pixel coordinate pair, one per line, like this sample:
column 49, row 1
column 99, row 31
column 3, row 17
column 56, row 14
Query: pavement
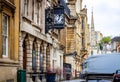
column 76, row 80
column 80, row 80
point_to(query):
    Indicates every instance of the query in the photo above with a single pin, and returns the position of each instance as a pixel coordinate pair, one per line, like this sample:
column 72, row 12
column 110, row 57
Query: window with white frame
column 5, row 35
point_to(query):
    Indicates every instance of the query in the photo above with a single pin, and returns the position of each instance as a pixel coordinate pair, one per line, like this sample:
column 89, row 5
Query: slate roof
column 115, row 39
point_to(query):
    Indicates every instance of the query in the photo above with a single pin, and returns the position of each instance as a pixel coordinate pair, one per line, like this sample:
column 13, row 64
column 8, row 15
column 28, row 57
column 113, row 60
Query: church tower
column 92, row 34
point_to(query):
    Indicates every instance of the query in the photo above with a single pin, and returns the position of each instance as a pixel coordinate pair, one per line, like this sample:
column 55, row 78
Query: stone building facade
column 76, row 36
column 38, row 51
column 9, row 34
column 67, row 37
column 115, row 44
column 85, row 33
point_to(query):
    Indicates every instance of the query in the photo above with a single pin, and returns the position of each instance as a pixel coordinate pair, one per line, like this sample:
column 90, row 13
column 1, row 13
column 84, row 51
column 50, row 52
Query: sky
column 106, row 16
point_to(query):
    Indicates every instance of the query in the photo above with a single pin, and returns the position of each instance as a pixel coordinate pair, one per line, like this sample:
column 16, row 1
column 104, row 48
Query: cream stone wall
column 8, row 73
column 9, row 65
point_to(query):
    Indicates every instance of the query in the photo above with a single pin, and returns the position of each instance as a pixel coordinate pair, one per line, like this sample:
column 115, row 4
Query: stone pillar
column 48, row 57
column 38, row 54
column 21, row 39
column 38, row 59
column 44, row 60
column 29, row 46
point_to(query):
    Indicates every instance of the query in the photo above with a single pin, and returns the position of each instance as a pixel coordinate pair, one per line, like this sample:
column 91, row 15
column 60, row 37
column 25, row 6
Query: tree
column 106, row 39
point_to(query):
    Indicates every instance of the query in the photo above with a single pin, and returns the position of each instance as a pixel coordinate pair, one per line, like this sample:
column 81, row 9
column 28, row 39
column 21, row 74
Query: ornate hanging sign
column 54, row 18
column 59, row 19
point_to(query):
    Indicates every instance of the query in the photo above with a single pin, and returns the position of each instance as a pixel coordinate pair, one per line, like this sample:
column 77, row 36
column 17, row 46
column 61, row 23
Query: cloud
column 106, row 15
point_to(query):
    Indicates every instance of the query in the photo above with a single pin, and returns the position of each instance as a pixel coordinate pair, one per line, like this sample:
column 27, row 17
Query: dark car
column 116, row 76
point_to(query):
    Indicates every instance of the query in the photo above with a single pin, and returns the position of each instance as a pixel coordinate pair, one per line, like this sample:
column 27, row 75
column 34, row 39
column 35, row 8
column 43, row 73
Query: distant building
column 106, row 48
column 75, row 36
column 115, row 44
column 95, row 37
column 98, row 38
column 93, row 47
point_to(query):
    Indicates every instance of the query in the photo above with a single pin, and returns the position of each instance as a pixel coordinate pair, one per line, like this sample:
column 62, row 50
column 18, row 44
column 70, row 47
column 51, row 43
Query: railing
column 66, row 9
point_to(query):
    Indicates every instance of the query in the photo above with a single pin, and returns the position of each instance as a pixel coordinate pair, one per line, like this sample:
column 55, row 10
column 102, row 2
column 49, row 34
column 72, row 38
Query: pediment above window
column 8, row 4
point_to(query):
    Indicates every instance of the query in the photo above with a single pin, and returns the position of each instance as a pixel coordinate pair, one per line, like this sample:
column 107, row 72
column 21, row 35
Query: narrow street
column 59, row 40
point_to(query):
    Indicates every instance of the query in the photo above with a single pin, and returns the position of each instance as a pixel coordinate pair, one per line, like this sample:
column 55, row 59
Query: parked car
column 100, row 66
column 116, row 76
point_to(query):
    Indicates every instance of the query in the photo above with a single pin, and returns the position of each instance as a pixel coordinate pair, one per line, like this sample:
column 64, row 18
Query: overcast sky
column 106, row 16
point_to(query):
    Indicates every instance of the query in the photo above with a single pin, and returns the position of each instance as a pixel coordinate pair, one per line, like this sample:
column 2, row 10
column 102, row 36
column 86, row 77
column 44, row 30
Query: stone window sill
column 8, row 62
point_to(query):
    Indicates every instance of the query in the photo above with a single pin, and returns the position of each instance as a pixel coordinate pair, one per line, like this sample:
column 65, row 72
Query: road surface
column 79, row 80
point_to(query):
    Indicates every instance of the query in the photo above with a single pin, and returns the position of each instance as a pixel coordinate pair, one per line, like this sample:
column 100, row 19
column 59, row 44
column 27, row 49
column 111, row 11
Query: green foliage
column 106, row 39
